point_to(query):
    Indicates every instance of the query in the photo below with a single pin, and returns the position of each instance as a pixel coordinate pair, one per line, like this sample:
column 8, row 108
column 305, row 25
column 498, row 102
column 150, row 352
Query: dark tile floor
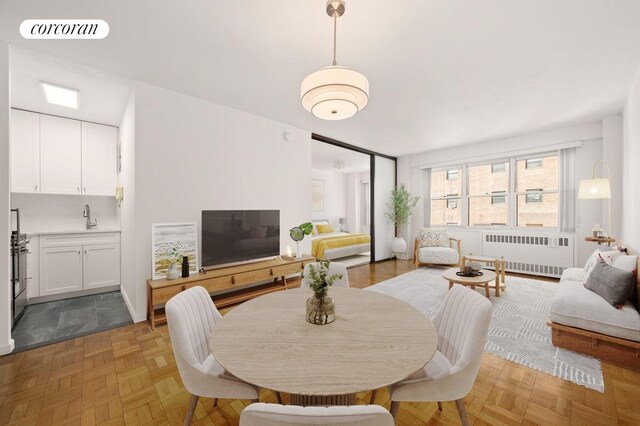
column 51, row 322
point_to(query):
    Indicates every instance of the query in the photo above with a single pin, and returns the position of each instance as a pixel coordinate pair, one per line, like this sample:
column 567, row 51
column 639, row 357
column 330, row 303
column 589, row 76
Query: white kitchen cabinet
column 99, row 159
column 101, row 266
column 25, row 151
column 60, row 270
column 33, row 273
column 60, row 155
column 80, row 261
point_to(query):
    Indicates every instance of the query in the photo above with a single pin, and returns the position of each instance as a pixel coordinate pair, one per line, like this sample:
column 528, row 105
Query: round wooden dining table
column 376, row 340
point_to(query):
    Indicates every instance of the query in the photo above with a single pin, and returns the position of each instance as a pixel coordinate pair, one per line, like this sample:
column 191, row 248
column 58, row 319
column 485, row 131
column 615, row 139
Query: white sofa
column 584, row 322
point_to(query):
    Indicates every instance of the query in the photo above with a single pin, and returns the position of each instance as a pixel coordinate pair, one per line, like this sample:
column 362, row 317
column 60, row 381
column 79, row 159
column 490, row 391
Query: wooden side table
column 499, row 264
column 600, row 240
column 482, row 280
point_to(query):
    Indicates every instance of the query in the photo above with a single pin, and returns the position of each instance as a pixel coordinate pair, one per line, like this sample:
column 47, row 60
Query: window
column 534, row 163
column 485, row 207
column 499, row 199
column 446, row 190
column 537, row 192
column 511, row 192
column 498, row 167
column 533, row 196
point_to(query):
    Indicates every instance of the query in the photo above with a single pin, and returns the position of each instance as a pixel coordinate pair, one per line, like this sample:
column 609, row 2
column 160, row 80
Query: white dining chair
column 262, row 414
column 191, row 317
column 463, row 326
column 334, row 268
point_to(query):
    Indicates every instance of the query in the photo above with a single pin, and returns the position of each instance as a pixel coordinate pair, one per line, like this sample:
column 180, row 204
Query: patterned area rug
column 518, row 329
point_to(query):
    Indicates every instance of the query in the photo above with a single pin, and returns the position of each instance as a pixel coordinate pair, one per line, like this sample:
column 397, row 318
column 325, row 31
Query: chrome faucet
column 86, row 212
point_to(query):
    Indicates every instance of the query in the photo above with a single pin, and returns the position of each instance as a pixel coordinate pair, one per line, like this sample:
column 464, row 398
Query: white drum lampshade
column 594, row 189
column 334, row 93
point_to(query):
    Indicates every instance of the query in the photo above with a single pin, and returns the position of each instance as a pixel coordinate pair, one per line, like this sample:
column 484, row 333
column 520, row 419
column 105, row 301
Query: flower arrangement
column 318, row 278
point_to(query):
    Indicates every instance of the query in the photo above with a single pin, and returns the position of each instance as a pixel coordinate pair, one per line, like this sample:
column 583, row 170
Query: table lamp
column 342, row 221
column 597, row 189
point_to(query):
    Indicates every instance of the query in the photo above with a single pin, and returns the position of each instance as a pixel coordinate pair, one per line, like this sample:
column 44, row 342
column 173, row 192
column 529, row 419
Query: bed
column 336, row 245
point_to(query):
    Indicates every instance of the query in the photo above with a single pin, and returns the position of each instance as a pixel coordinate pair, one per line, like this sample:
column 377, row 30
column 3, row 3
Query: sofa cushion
column 576, row 306
column 438, row 255
column 612, row 284
column 574, row 274
column 434, row 237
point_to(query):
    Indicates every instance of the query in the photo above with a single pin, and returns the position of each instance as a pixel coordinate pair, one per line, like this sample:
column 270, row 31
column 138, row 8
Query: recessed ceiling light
column 59, row 95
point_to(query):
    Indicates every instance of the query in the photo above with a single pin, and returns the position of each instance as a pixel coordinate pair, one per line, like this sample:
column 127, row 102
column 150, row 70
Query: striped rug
column 518, row 329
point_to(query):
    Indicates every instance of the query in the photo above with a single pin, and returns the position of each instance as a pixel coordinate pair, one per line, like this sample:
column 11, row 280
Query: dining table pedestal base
column 323, row 400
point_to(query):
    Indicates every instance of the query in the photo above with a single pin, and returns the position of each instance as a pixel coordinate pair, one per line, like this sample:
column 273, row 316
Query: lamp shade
column 594, row 189
column 334, row 93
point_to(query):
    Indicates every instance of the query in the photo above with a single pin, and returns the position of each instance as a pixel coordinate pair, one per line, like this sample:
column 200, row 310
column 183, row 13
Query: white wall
column 6, row 343
column 588, row 212
column 384, row 182
column 612, row 147
column 192, row 155
column 126, row 178
column 335, row 196
column 630, row 232
column 54, row 212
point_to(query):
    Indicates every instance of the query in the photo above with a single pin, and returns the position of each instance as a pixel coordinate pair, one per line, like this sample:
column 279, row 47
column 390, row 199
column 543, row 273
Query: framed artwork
column 317, row 195
column 167, row 236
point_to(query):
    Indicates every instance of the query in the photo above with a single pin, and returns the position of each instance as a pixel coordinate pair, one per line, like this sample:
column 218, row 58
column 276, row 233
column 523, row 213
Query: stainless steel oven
column 19, row 251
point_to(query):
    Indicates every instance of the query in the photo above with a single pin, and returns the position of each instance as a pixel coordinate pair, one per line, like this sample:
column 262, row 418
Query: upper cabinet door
column 99, row 159
column 60, row 155
column 25, row 151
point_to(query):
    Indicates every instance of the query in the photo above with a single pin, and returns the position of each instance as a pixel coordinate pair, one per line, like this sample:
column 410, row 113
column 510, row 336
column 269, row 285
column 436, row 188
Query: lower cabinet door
column 101, row 265
column 60, row 270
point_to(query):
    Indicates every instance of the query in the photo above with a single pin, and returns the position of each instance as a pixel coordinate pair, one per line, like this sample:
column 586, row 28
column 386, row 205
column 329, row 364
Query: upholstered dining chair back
column 261, row 414
column 463, row 325
column 334, row 268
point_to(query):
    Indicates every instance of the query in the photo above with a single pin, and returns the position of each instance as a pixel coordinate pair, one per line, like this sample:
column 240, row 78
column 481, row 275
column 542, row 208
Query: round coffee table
column 376, row 340
column 483, row 280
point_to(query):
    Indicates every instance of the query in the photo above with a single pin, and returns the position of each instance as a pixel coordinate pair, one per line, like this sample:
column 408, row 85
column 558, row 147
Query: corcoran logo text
column 64, row 29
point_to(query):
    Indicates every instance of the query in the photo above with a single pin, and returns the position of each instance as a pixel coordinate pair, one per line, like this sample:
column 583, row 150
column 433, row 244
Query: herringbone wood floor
column 128, row 376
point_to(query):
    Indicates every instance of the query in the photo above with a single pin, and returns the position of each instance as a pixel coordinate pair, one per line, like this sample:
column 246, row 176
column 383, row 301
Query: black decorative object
column 185, row 267
column 472, row 274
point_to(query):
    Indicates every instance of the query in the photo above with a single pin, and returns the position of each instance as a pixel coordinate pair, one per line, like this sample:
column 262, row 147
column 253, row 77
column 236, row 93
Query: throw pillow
column 325, row 229
column 315, row 226
column 630, row 263
column 612, row 284
column 593, row 259
column 434, row 237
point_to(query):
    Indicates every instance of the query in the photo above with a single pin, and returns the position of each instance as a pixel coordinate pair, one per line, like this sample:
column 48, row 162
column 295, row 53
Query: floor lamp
column 597, row 189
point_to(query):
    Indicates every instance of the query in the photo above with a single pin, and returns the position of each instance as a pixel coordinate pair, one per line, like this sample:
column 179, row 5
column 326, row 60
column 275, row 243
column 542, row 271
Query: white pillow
column 626, row 263
column 593, row 259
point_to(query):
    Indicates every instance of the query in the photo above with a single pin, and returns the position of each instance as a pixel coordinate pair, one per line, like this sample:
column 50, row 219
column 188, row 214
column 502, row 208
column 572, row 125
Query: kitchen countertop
column 71, row 231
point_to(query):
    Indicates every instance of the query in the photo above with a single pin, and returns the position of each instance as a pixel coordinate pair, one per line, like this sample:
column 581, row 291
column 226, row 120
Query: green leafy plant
column 318, row 278
column 174, row 255
column 401, row 206
column 297, row 233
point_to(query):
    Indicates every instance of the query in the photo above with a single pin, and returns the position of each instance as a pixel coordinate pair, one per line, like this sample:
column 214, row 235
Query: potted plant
column 297, row 234
column 173, row 256
column 320, row 307
column 399, row 211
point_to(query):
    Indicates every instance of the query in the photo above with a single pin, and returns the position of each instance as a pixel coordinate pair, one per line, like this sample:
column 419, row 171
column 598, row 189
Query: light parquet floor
column 129, row 376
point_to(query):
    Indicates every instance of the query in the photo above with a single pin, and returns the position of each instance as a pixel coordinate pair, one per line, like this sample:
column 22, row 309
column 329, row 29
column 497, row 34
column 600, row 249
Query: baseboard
column 134, row 316
column 8, row 348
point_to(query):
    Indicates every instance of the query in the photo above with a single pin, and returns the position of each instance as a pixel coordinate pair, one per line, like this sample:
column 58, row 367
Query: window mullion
column 464, row 220
column 513, row 198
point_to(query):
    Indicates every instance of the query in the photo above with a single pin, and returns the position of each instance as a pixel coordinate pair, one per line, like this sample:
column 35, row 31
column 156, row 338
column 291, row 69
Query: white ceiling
column 441, row 73
column 101, row 96
column 324, row 156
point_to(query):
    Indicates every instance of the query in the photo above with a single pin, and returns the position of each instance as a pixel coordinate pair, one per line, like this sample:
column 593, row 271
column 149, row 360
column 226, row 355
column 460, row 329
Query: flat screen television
column 237, row 236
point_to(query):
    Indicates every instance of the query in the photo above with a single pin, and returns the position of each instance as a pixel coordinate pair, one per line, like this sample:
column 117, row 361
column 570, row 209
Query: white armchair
column 261, row 414
column 463, row 325
column 191, row 317
column 334, row 268
column 434, row 247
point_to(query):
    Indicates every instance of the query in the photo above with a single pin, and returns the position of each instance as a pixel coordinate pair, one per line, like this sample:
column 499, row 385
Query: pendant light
column 334, row 93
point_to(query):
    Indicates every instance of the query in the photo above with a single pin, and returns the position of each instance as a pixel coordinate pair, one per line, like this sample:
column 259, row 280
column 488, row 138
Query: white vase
column 172, row 272
column 298, row 250
column 399, row 245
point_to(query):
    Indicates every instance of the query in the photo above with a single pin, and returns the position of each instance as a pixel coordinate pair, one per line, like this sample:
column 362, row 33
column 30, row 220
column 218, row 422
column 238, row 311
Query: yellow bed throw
column 320, row 245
